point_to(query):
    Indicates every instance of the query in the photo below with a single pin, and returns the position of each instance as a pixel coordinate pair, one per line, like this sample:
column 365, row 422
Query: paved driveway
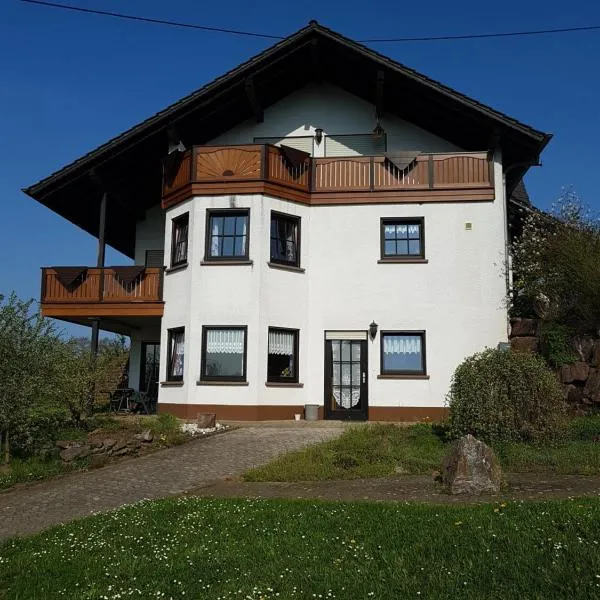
column 165, row 473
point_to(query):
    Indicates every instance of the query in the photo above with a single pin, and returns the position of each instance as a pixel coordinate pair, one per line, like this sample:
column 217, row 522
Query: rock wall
column 581, row 379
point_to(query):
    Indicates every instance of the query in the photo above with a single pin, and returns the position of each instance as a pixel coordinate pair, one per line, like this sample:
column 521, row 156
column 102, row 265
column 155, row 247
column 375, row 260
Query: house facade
column 320, row 226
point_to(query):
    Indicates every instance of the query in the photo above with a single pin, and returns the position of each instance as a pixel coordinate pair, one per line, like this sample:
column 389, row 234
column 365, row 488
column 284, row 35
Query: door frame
column 348, row 415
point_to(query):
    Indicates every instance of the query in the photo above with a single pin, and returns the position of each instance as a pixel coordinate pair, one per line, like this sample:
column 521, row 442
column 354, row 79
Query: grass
column 379, row 450
column 23, row 470
column 165, row 428
column 263, row 549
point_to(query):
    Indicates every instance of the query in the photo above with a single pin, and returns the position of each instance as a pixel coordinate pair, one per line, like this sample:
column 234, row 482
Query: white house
column 331, row 230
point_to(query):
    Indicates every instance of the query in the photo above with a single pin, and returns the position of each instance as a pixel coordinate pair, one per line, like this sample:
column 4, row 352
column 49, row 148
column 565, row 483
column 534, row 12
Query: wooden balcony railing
column 103, row 286
column 207, row 170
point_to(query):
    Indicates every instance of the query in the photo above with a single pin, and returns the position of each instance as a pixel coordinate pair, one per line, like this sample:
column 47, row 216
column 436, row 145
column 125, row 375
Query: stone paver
column 165, row 473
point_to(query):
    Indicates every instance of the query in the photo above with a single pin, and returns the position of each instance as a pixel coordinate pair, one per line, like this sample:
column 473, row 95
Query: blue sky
column 68, row 82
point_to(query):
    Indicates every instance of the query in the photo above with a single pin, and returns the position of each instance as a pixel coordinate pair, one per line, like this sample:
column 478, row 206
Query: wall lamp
column 318, row 135
column 373, row 330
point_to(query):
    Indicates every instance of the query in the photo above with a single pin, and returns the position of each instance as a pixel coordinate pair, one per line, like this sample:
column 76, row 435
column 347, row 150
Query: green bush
column 556, row 344
column 499, row 395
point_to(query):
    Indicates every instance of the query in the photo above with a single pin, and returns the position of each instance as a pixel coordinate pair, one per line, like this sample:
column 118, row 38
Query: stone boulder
column 584, row 346
column 523, row 327
column 471, row 467
column 145, row 436
column 578, row 371
column 206, row 420
column 592, row 386
column 525, row 344
column 595, row 360
column 74, row 452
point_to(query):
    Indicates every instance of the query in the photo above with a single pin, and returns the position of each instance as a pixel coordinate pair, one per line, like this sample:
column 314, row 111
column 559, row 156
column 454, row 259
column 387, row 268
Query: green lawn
column 252, row 549
column 379, row 450
column 165, row 428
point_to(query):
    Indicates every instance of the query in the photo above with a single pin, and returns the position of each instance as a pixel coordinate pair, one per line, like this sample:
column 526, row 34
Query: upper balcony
column 290, row 174
column 85, row 292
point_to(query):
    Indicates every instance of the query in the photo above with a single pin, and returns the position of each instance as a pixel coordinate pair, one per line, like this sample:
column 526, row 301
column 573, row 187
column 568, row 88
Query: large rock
column 564, row 374
column 578, row 371
column 592, row 386
column 584, row 346
column 471, row 467
column 525, row 344
column 523, row 327
column 595, row 360
column 206, row 420
column 75, row 452
column 573, row 394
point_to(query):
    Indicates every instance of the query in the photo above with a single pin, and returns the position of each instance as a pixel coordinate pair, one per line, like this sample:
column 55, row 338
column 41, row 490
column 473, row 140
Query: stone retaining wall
column 581, row 379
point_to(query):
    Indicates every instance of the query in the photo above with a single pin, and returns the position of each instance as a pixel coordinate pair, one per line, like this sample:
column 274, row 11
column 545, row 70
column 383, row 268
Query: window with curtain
column 403, row 352
column 179, row 240
column 227, row 235
column 402, row 238
column 176, row 343
column 282, row 355
column 285, row 239
column 224, row 353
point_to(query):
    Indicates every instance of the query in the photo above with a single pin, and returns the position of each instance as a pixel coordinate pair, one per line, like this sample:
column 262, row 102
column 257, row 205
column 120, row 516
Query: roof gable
column 129, row 165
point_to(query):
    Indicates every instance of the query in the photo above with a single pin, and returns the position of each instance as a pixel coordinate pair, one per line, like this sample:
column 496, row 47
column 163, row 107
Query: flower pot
column 297, row 416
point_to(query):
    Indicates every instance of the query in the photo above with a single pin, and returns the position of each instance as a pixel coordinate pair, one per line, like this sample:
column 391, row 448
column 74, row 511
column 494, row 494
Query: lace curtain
column 346, row 397
column 225, row 341
column 405, row 344
column 177, row 354
column 281, row 342
column 181, row 236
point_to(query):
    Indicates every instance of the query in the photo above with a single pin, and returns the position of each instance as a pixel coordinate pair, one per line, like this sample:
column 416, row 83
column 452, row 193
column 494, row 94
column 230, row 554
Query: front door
column 346, row 392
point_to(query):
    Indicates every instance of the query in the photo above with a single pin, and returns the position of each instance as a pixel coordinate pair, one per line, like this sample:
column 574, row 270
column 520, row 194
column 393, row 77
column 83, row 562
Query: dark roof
column 129, row 165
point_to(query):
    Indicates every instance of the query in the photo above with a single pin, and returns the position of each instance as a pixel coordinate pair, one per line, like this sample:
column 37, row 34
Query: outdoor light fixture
column 378, row 131
column 373, row 330
column 318, row 135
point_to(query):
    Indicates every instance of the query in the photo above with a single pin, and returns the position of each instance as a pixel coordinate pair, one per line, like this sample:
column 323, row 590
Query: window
column 224, row 353
column 402, row 238
column 179, row 240
column 227, row 235
column 176, row 354
column 282, row 355
column 285, row 239
column 403, row 353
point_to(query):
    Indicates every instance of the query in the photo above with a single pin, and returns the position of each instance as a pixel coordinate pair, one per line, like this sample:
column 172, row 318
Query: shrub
column 556, row 344
column 506, row 396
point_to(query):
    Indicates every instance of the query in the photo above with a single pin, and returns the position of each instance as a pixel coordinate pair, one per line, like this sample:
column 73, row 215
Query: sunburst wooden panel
column 228, row 163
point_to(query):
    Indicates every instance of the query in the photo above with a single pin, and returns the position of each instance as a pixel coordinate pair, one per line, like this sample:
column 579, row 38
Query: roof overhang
column 128, row 166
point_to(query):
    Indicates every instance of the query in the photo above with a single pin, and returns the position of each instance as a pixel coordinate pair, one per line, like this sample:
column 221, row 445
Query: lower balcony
column 119, row 296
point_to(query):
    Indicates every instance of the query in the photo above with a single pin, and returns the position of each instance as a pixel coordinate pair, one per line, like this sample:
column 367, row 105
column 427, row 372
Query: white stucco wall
column 149, row 233
column 336, row 112
column 457, row 297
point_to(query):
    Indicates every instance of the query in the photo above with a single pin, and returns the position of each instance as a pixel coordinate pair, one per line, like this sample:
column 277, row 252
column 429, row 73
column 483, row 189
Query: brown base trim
column 407, row 413
column 239, row 412
column 233, row 412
